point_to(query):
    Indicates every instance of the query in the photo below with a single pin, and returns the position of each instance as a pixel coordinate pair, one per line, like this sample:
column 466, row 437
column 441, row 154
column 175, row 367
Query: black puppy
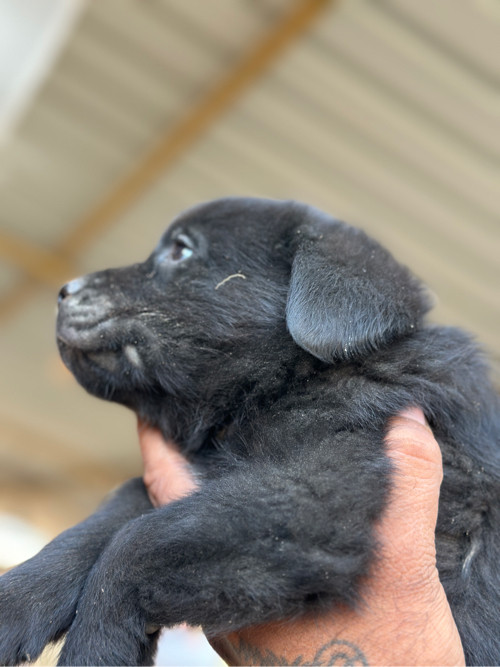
column 273, row 344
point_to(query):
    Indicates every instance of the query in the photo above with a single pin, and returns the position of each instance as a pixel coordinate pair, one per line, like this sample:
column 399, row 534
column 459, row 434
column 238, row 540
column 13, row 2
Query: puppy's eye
column 180, row 251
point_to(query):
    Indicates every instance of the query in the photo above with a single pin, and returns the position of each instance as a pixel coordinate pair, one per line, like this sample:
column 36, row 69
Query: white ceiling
column 382, row 112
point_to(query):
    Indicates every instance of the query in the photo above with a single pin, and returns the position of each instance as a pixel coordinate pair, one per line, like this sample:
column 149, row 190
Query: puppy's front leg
column 38, row 598
column 257, row 545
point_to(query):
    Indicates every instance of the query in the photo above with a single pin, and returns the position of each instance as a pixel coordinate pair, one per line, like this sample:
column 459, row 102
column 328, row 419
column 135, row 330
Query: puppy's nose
column 70, row 288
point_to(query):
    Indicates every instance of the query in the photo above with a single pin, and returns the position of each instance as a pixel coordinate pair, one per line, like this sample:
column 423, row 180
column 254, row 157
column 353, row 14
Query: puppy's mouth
column 97, row 344
column 103, row 365
column 79, row 333
column 101, row 342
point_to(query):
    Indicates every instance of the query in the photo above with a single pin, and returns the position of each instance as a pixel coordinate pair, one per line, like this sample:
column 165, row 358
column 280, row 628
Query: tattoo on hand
column 335, row 652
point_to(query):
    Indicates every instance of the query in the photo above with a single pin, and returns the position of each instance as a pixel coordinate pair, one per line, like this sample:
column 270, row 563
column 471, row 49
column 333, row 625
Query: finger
column 167, row 474
column 410, row 434
column 154, row 448
column 418, row 473
column 407, row 529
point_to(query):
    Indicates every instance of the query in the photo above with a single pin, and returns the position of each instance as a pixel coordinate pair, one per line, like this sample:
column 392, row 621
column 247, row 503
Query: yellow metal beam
column 36, row 262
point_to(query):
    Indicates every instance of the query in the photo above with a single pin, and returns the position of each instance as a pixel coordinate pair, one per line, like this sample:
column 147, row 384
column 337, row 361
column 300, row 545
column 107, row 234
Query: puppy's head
column 191, row 319
column 235, row 290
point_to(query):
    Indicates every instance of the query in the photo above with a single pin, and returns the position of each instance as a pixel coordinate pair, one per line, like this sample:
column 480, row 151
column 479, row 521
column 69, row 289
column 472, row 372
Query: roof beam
column 43, row 265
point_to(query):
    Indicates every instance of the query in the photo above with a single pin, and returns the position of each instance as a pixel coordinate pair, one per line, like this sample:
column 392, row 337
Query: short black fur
column 273, row 343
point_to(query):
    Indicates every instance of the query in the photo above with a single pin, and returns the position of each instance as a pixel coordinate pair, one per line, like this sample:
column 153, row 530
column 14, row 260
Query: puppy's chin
column 106, row 374
column 106, row 360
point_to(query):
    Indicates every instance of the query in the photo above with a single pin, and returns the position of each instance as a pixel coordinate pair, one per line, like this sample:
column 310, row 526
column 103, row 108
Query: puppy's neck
column 198, row 422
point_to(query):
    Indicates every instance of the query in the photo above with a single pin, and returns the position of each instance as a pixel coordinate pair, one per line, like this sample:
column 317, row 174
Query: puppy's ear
column 347, row 295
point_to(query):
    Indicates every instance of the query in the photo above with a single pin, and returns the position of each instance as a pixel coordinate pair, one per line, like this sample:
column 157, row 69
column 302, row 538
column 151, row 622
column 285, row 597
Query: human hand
column 166, row 472
column 404, row 617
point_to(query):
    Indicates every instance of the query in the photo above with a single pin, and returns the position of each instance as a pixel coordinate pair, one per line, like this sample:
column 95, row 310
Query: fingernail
column 415, row 414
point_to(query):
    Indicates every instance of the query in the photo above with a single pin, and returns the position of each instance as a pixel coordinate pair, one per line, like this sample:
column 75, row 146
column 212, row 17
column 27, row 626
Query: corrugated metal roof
column 384, row 113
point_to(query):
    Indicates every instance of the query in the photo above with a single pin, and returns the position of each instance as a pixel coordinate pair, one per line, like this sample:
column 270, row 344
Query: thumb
column 407, row 529
column 167, row 474
column 417, row 477
column 406, row 589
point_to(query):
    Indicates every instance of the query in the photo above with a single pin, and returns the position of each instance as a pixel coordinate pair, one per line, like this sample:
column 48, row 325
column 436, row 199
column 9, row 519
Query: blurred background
column 115, row 115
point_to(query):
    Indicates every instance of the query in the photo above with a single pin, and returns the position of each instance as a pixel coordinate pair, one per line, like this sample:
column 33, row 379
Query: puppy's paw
column 34, row 611
column 110, row 627
column 94, row 639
